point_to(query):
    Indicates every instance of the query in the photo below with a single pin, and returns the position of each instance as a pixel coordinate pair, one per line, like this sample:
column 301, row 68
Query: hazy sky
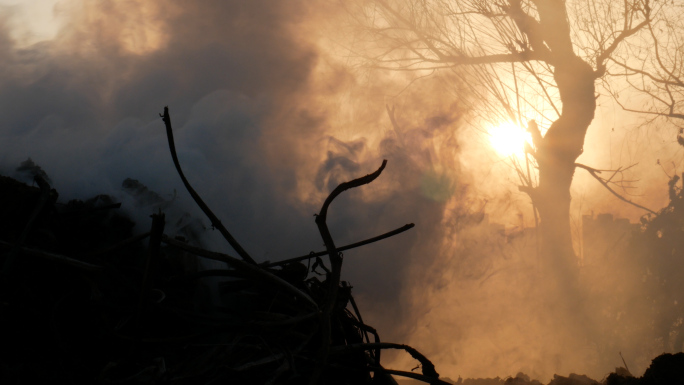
column 32, row 20
column 269, row 117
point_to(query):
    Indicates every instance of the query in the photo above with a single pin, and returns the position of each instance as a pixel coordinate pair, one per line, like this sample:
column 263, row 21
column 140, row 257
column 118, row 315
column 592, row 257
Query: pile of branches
column 84, row 301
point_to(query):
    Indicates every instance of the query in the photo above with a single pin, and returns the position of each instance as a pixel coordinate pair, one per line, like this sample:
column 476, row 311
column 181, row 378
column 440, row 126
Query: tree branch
column 676, row 82
column 427, row 366
column 601, row 59
column 213, row 218
column 343, row 248
column 53, row 257
column 541, row 53
column 594, row 172
column 333, row 278
column 244, row 267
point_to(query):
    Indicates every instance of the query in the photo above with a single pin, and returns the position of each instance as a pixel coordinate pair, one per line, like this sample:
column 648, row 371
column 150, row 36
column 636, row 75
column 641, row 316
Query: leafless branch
column 213, row 218
column 594, row 172
column 244, row 267
column 333, row 279
column 54, row 257
column 601, row 60
column 343, row 248
column 427, row 366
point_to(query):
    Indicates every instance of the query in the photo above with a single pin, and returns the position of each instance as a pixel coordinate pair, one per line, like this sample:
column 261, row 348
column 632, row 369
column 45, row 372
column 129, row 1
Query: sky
column 269, row 116
column 32, row 20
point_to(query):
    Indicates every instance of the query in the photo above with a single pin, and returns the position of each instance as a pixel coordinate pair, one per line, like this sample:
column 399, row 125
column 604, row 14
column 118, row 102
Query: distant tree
column 534, row 62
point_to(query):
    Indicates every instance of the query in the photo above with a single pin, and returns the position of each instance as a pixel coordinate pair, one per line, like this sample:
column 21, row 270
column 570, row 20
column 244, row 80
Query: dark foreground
column 84, row 300
column 665, row 369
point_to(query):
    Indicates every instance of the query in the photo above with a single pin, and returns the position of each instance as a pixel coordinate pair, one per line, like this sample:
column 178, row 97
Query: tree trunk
column 556, row 156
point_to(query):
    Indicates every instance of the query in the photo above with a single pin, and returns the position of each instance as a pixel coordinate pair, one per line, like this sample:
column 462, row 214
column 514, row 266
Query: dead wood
column 428, row 367
column 335, row 256
column 244, row 268
column 50, row 256
column 213, row 218
column 342, row 248
column 97, row 305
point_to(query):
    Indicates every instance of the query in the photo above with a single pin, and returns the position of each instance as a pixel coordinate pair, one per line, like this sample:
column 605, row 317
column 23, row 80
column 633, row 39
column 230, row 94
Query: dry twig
column 343, row 248
column 213, row 218
column 335, row 264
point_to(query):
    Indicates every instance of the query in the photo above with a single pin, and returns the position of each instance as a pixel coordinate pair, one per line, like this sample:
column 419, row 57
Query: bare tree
column 534, row 62
column 653, row 69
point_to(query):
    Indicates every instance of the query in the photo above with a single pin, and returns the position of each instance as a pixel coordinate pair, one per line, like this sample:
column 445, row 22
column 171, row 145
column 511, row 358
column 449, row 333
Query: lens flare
column 509, row 139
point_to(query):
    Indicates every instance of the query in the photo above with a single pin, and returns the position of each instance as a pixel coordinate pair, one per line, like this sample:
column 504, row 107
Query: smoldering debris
column 85, row 301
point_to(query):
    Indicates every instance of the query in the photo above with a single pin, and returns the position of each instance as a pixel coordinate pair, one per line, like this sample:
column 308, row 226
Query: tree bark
column 556, row 155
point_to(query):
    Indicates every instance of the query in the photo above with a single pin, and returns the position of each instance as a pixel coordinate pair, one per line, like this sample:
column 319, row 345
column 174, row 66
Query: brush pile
column 84, row 301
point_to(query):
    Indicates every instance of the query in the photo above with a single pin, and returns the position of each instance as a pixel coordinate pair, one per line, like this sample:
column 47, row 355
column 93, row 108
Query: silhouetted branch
column 427, row 366
column 542, row 54
column 333, row 279
column 321, row 217
column 676, row 82
column 244, row 267
column 594, row 172
column 366, row 329
column 343, row 248
column 601, row 60
column 659, row 75
column 670, row 107
column 214, row 220
column 55, row 257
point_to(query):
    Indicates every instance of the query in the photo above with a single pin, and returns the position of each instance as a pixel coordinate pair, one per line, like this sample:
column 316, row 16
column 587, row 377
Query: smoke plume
column 269, row 117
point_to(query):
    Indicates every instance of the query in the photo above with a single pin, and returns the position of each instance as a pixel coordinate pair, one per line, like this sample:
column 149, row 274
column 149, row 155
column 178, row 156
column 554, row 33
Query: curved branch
column 322, row 215
column 427, row 366
column 213, row 218
column 333, row 279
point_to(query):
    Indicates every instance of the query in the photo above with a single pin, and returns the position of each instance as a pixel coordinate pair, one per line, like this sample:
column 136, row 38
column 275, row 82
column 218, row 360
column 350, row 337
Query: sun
column 508, row 139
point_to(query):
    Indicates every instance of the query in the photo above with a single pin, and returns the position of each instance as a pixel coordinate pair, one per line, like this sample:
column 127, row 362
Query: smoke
column 269, row 116
column 84, row 105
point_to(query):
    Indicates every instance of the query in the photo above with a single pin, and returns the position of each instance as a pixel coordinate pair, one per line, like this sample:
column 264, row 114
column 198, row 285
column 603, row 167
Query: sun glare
column 509, row 139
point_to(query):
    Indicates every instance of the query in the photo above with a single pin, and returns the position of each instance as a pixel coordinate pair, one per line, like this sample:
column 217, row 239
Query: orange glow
column 144, row 33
